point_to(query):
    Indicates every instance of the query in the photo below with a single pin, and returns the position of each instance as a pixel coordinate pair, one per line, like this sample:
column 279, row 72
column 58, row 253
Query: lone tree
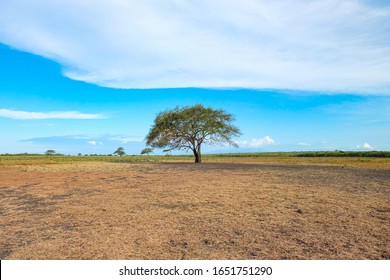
column 120, row 151
column 147, row 151
column 50, row 152
column 187, row 128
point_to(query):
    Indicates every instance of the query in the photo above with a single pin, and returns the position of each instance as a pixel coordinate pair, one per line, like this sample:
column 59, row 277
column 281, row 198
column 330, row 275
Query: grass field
column 269, row 206
column 365, row 159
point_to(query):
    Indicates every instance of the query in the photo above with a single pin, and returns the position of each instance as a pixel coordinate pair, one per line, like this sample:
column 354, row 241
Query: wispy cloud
column 257, row 142
column 23, row 115
column 303, row 144
column 86, row 138
column 73, row 144
column 364, row 109
column 94, row 142
column 321, row 45
column 126, row 140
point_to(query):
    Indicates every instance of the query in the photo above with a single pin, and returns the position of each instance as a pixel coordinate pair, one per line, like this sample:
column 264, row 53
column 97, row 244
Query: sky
column 90, row 76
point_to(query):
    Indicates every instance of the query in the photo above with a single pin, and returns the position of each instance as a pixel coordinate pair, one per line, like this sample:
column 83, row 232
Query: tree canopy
column 50, row 152
column 147, row 151
column 120, row 151
column 187, row 128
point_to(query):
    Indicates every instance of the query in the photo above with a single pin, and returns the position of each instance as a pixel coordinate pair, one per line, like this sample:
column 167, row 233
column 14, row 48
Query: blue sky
column 90, row 77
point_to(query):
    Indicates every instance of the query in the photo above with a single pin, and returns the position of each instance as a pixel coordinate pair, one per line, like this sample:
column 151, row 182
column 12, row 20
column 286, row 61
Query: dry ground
column 185, row 211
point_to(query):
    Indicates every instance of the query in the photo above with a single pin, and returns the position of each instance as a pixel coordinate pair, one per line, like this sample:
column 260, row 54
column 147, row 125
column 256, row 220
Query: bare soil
column 98, row 210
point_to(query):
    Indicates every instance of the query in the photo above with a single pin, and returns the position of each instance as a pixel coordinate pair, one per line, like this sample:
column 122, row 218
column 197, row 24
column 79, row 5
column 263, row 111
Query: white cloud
column 95, row 142
column 256, row 142
column 367, row 146
column 126, row 140
column 81, row 137
column 303, row 144
column 23, row 115
column 317, row 45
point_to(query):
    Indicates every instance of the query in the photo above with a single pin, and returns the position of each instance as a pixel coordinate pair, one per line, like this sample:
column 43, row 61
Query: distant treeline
column 345, row 154
column 378, row 154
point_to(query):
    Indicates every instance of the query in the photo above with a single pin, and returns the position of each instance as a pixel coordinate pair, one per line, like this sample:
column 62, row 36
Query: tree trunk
column 198, row 156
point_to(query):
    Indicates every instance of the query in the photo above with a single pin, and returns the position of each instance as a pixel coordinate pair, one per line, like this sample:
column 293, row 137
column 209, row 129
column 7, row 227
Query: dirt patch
column 187, row 211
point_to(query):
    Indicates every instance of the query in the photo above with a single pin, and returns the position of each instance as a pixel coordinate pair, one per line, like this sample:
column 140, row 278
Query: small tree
column 50, row 152
column 187, row 128
column 120, row 151
column 147, row 151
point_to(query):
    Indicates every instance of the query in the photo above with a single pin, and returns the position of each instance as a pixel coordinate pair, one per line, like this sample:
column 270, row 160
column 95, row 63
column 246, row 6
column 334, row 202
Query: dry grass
column 100, row 210
column 383, row 163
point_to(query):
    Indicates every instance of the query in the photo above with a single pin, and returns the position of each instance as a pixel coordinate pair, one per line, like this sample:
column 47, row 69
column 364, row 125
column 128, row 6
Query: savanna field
column 273, row 206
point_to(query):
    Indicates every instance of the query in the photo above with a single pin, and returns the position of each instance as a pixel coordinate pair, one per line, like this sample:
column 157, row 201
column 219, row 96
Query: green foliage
column 187, row 128
column 120, row 151
column 147, row 151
